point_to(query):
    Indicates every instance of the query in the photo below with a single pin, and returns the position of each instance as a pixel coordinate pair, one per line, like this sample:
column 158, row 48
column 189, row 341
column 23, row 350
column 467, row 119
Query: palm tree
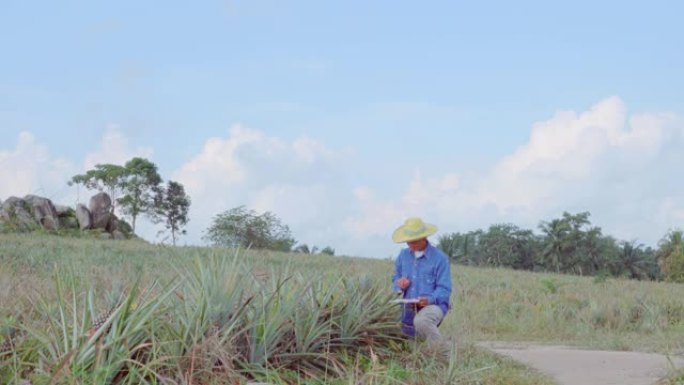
column 555, row 243
column 670, row 256
column 591, row 249
column 449, row 244
column 458, row 246
column 635, row 260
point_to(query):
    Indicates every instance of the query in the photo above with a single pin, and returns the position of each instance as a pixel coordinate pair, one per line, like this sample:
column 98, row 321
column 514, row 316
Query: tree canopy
column 171, row 208
column 139, row 184
column 569, row 244
column 104, row 177
column 136, row 188
column 671, row 256
column 304, row 249
column 240, row 227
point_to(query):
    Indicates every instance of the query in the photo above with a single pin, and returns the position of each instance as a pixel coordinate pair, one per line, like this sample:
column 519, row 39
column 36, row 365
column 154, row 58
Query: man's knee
column 421, row 323
column 428, row 317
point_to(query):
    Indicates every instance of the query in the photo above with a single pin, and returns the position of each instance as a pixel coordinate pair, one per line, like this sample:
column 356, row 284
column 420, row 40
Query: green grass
column 192, row 315
column 613, row 314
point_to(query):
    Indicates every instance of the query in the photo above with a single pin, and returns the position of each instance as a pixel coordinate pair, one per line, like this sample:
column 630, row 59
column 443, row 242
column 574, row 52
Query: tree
column 139, row 184
column 462, row 248
column 508, row 245
column 555, row 243
column 594, row 250
column 241, row 227
column 581, row 237
column 104, row 177
column 636, row 262
column 171, row 207
column 566, row 242
column 609, row 260
column 450, row 244
column 303, row 249
column 671, row 256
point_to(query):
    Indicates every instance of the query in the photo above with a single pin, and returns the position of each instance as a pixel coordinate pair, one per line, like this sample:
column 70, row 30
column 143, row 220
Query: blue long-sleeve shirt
column 430, row 277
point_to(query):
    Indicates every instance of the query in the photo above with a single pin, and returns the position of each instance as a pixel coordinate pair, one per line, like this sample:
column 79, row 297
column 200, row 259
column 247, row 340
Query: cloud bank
column 302, row 181
column 622, row 167
column 30, row 168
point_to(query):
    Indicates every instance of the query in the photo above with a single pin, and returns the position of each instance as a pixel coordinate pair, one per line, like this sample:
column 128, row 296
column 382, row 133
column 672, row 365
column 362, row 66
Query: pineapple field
column 82, row 311
column 85, row 311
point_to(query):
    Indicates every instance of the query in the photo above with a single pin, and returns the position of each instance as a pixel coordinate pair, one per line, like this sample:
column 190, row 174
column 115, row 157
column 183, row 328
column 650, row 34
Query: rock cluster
column 33, row 212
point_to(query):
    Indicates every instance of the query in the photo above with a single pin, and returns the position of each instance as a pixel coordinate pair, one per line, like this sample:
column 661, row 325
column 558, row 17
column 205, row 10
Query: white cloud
column 573, row 156
column 298, row 180
column 623, row 169
column 378, row 215
column 114, row 149
column 29, row 168
column 424, row 197
column 601, row 160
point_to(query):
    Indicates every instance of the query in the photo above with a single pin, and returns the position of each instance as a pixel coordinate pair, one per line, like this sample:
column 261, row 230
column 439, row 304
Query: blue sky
column 344, row 118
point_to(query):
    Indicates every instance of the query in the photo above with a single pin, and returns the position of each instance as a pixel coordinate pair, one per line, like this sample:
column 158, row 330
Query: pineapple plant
column 10, row 341
column 99, row 321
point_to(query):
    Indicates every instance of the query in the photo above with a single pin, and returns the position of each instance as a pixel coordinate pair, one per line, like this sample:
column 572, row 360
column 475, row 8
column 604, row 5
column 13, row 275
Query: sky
column 345, row 118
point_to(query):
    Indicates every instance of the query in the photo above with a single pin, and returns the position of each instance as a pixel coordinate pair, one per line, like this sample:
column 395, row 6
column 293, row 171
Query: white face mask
column 419, row 254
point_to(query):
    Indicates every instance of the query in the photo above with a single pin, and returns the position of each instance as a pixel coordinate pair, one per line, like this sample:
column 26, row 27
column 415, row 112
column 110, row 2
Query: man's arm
column 397, row 274
column 443, row 280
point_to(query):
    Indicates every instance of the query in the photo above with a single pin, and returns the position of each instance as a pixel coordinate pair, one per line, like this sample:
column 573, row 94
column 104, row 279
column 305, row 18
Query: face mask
column 419, row 254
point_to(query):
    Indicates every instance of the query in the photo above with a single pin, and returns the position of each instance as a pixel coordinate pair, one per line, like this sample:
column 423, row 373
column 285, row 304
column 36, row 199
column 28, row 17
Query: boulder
column 83, row 216
column 64, row 211
column 113, row 224
column 16, row 211
column 43, row 211
column 32, row 211
column 100, row 209
column 68, row 223
column 125, row 227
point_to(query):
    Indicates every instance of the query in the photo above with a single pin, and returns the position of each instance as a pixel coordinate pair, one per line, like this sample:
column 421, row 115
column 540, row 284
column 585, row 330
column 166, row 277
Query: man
column 422, row 273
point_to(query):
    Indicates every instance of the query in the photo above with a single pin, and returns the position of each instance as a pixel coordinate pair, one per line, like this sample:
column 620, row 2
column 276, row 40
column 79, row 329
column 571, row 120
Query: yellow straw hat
column 413, row 229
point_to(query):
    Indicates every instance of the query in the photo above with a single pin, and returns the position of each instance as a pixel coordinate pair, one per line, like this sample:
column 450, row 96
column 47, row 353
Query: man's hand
column 422, row 302
column 403, row 283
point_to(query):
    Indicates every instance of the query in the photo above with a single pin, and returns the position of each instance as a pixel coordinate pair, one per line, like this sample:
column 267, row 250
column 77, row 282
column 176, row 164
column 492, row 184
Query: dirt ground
column 570, row 366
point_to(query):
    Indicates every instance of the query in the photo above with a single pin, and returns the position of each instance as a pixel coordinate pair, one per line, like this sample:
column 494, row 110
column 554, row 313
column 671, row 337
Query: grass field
column 89, row 311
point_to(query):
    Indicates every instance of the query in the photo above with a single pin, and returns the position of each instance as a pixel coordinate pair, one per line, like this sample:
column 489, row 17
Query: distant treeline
column 571, row 245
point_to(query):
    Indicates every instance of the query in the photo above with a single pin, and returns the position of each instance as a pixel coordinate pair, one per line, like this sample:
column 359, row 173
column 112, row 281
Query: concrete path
column 571, row 366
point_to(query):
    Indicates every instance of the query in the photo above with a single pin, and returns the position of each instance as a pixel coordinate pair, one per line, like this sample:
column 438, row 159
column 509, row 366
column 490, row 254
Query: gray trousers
column 425, row 323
